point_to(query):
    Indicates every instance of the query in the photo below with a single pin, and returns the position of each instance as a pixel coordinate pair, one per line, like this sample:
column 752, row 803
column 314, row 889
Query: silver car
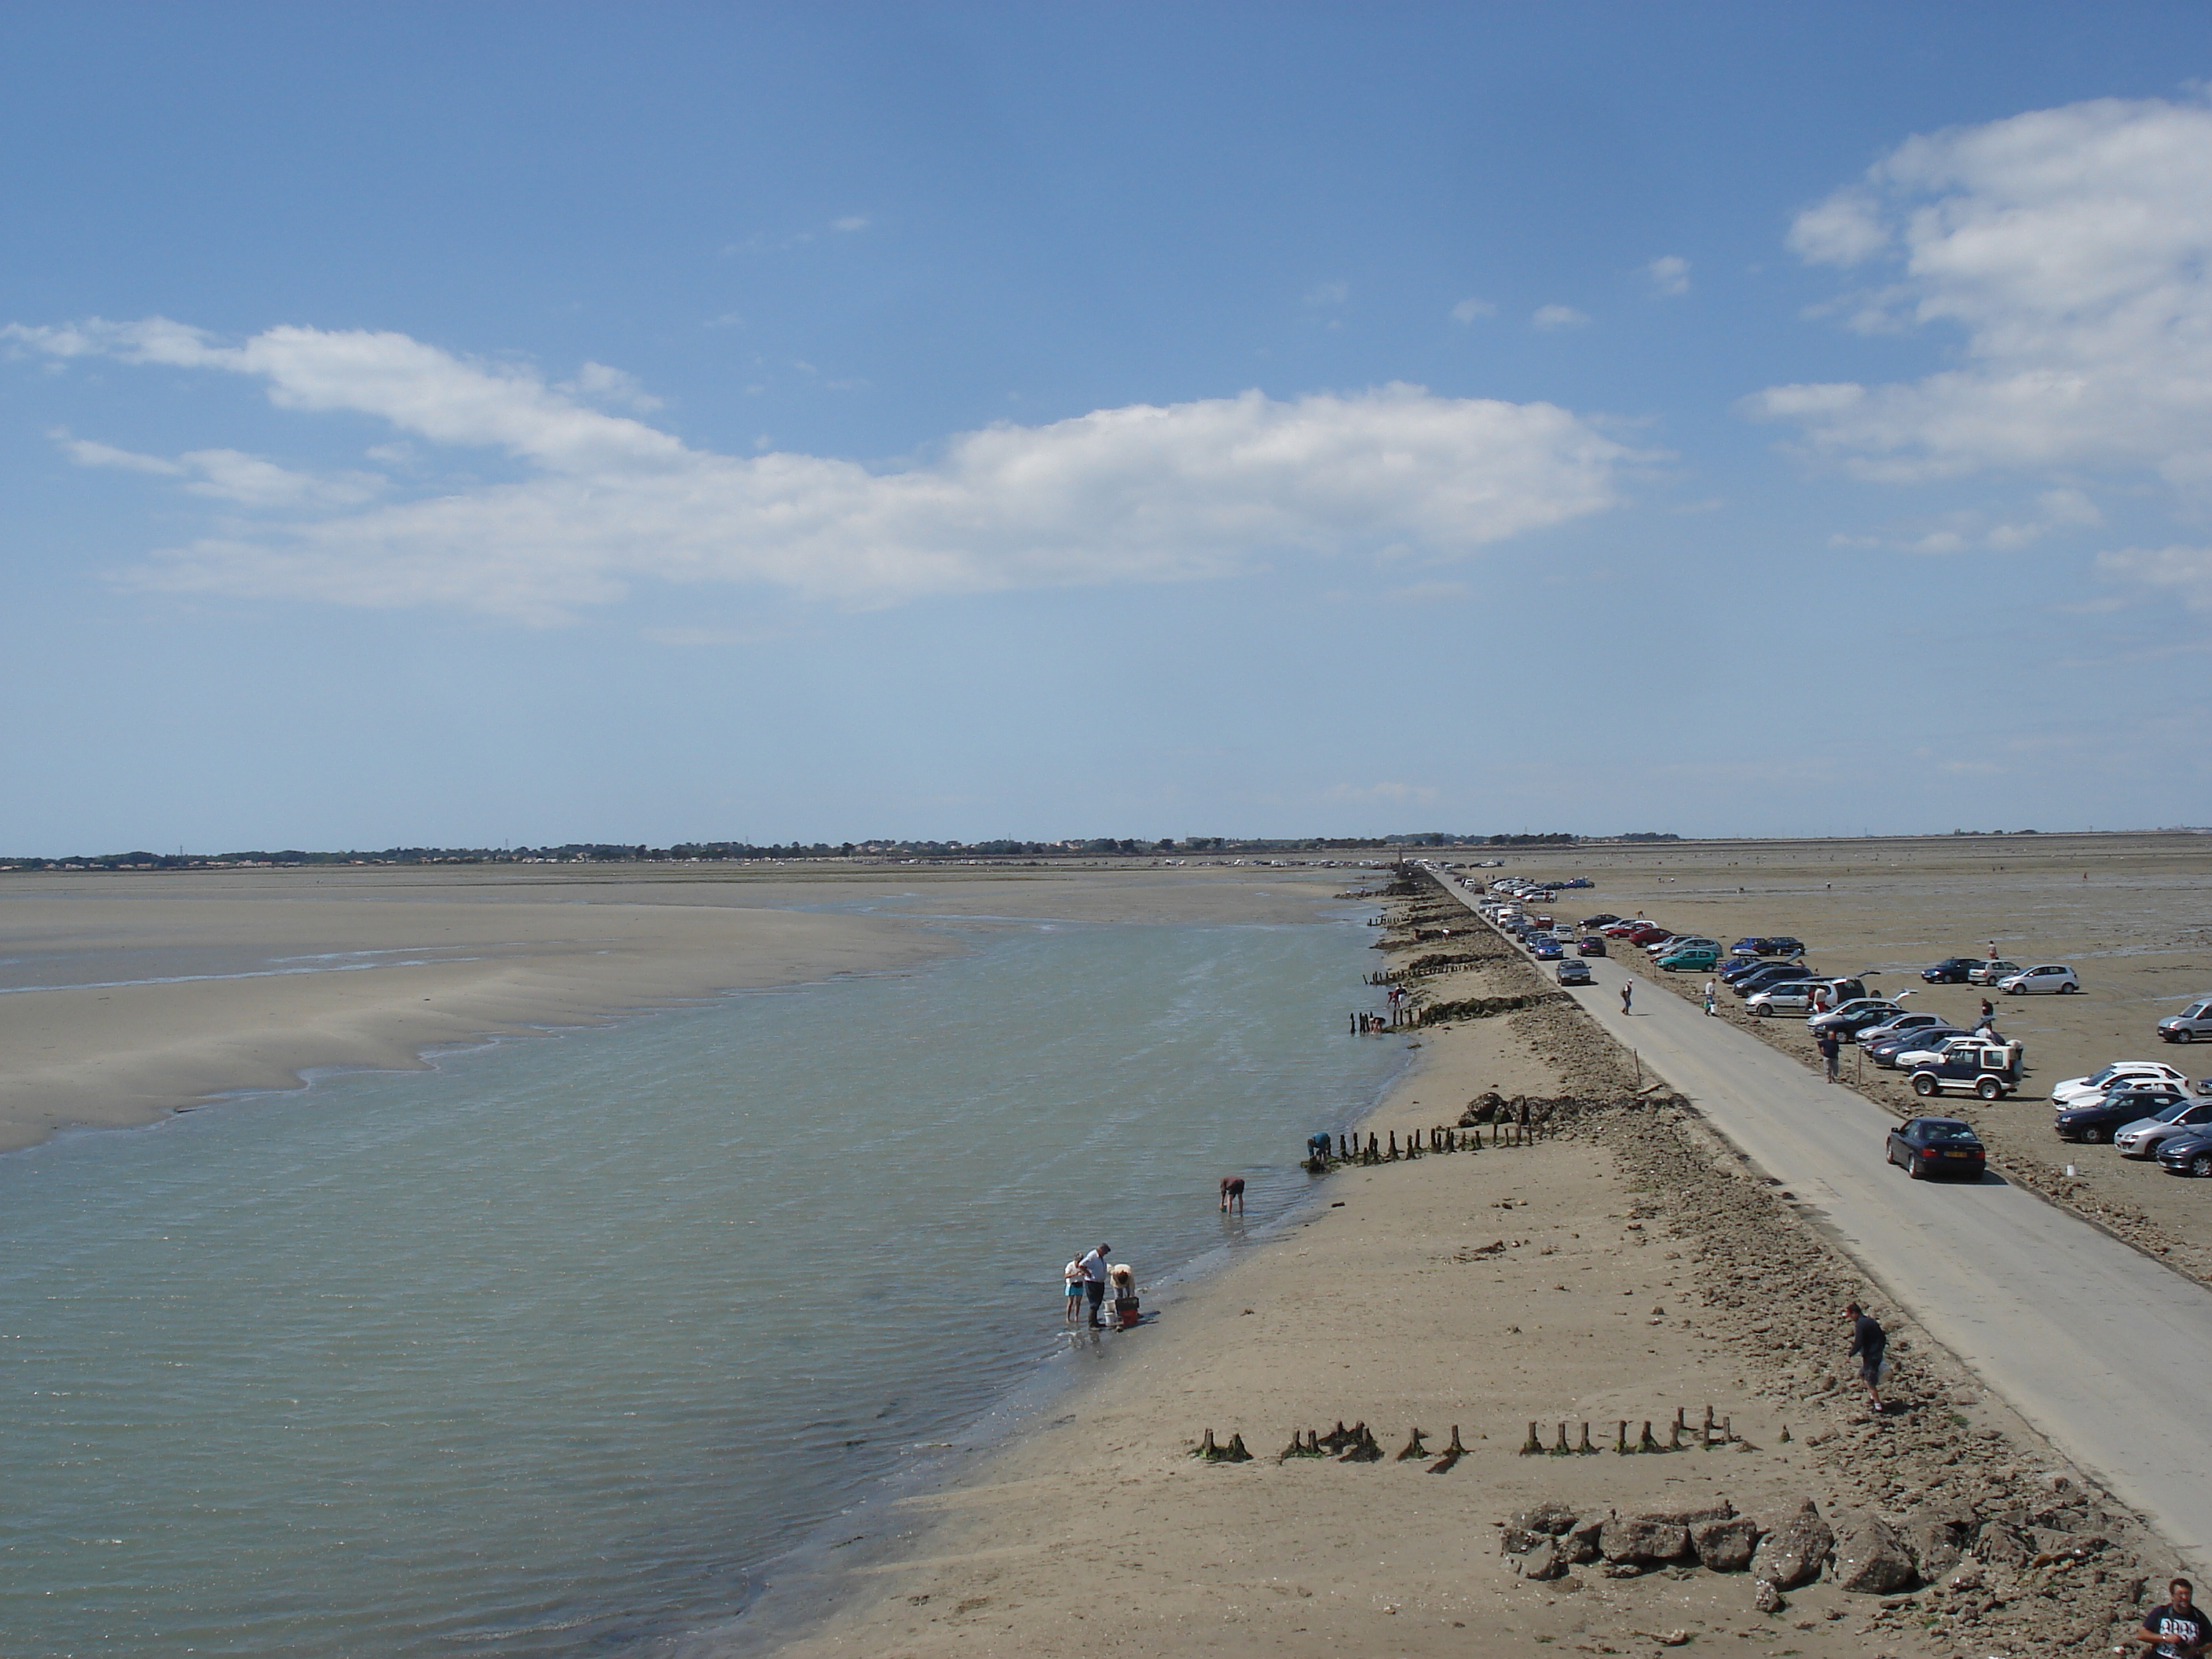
column 2191, row 1023
column 2143, row 1137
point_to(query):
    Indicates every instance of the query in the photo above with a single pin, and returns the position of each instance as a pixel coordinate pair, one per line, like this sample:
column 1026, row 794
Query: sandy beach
column 166, row 989
column 1621, row 1270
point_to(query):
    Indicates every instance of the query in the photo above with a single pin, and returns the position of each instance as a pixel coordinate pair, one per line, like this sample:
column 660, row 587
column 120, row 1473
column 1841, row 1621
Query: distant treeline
column 729, row 851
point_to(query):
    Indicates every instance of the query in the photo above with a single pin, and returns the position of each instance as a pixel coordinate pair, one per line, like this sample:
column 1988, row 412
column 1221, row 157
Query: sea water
column 553, row 1349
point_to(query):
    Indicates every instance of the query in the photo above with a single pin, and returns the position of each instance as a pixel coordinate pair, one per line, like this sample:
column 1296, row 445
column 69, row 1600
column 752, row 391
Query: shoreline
column 439, row 958
column 1297, row 1557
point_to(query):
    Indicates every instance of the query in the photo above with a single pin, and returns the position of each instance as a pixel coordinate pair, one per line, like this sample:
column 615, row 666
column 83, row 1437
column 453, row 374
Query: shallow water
column 548, row 1350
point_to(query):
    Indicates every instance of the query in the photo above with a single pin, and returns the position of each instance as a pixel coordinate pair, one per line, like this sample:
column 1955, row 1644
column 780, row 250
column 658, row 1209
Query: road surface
column 2106, row 1351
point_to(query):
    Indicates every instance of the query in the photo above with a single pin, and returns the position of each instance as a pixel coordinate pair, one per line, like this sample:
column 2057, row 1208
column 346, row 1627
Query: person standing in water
column 1096, row 1273
column 1074, row 1273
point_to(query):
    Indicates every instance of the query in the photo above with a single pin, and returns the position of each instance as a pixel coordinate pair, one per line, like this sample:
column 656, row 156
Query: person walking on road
column 1832, row 1053
column 2177, row 1629
column 1709, row 988
column 1096, row 1273
column 1627, row 991
column 1869, row 1343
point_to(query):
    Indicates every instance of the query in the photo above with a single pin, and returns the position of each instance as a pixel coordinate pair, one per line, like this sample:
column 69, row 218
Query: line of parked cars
column 2145, row 1108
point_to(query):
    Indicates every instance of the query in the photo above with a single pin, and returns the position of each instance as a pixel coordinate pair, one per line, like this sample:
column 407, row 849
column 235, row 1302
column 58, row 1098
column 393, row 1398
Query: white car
column 1940, row 1050
column 2081, row 1091
column 2049, row 978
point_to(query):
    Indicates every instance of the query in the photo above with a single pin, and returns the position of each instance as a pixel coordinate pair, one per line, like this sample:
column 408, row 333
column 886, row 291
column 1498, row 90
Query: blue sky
column 458, row 425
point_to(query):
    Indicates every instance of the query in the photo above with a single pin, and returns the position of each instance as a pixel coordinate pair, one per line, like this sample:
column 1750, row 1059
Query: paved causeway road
column 2104, row 1350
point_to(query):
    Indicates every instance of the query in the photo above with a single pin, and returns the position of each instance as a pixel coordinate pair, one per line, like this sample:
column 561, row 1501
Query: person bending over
column 1869, row 1343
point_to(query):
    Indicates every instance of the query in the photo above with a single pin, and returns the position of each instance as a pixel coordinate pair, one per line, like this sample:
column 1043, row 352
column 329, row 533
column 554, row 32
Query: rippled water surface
column 549, row 1350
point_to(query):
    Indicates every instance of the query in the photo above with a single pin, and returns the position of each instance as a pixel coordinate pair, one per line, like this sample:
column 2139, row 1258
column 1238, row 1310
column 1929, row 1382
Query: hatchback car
column 1602, row 919
column 2142, row 1137
column 1591, row 946
column 1547, row 949
column 1990, row 972
column 2187, row 1155
column 1573, row 971
column 1952, row 971
column 1929, row 1147
column 2046, row 980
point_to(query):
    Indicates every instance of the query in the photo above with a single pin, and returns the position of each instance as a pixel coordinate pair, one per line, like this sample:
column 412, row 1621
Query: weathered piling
column 1533, row 1445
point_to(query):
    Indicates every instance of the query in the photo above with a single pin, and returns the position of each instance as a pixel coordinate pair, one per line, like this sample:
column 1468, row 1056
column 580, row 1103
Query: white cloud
column 231, row 475
column 849, row 223
column 1559, row 317
column 1137, row 494
column 1669, row 274
column 597, row 384
column 1328, row 294
column 2186, row 572
column 1469, row 309
column 1968, row 530
column 2069, row 248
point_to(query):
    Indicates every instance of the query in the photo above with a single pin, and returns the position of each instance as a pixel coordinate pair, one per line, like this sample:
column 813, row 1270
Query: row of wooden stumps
column 1400, row 1016
column 1356, row 1444
column 1349, row 1149
column 1717, row 1432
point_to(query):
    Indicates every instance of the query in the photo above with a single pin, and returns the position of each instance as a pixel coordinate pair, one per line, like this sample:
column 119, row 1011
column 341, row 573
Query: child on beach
column 1074, row 1273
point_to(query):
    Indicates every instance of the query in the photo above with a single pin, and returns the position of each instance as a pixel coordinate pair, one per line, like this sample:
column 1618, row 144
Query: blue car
column 1549, row 950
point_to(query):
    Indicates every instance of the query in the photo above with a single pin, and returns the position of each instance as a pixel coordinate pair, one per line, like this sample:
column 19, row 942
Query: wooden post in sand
column 1621, row 1439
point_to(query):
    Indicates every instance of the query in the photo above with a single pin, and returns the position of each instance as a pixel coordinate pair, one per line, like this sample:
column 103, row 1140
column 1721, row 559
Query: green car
column 1699, row 960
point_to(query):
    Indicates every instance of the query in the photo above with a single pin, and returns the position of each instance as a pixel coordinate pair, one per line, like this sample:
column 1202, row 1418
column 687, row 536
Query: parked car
column 1781, row 944
column 2099, row 1120
column 1848, row 1019
column 1624, row 927
column 1579, row 881
column 1898, row 1025
column 1648, row 933
column 2050, row 977
column 1952, row 971
column 2143, row 1137
column 1689, row 959
column 2191, row 1023
column 2080, row 1091
column 1985, row 1068
column 1755, row 945
column 1937, row 1147
column 1939, row 1048
column 1889, row 1052
column 1573, row 971
column 1591, row 946
column 1796, row 998
column 1768, row 976
column 2187, row 1155
column 1602, row 919
column 1989, row 973
column 1742, row 968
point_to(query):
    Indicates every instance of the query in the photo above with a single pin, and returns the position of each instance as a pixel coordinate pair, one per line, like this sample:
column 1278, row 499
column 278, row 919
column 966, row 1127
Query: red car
column 1623, row 929
column 1649, row 935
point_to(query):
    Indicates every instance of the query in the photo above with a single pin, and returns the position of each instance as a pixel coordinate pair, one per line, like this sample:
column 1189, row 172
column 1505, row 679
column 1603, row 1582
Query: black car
column 1590, row 945
column 2188, row 1155
column 1773, row 974
column 1937, row 1147
column 2096, row 1121
column 1602, row 919
column 1952, row 971
column 1743, row 967
column 1782, row 945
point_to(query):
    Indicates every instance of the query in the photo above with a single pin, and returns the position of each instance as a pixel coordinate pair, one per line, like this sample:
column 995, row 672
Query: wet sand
column 165, row 989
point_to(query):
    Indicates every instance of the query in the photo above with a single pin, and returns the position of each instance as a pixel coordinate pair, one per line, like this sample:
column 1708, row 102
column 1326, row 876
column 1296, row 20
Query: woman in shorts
column 1073, row 1272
